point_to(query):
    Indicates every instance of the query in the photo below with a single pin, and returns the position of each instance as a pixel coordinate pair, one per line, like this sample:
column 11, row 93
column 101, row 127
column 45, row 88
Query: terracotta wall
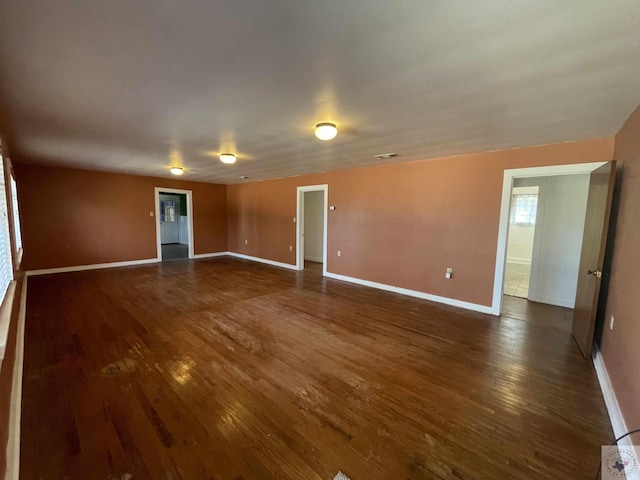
column 620, row 347
column 77, row 217
column 401, row 224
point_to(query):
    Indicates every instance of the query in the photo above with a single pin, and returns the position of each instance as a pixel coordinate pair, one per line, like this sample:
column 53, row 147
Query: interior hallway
column 230, row 369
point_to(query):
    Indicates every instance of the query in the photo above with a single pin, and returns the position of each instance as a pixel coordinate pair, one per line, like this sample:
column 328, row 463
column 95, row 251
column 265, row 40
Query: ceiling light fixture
column 382, row 156
column 177, row 170
column 227, row 158
column 326, row 131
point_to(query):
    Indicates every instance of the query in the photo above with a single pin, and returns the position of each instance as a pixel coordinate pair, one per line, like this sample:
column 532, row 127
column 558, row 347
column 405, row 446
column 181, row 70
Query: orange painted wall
column 620, row 347
column 401, row 224
column 78, row 217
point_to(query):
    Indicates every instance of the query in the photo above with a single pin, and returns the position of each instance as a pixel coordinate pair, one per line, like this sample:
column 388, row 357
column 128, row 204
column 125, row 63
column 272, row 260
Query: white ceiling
column 136, row 86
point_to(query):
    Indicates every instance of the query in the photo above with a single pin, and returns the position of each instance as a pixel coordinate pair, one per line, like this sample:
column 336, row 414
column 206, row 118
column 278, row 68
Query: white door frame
column 189, row 194
column 503, row 229
column 300, row 224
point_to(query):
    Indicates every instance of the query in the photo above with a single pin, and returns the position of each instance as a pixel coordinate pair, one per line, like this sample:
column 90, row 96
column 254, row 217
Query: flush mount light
column 177, row 170
column 326, row 131
column 382, row 156
column 227, row 158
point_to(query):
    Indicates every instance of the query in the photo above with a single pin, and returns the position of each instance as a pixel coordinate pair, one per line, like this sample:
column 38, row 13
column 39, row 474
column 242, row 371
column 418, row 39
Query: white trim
column 412, row 293
column 210, row 255
column 15, row 408
column 262, row 260
column 189, row 194
column 616, row 418
column 503, row 228
column 300, row 222
column 94, row 266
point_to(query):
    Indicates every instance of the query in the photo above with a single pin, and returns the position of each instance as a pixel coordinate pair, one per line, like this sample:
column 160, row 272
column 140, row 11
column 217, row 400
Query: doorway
column 520, row 243
column 174, row 226
column 550, row 202
column 574, row 260
column 311, row 245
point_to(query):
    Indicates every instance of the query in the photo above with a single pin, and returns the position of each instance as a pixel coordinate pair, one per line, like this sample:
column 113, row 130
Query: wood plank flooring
column 227, row 369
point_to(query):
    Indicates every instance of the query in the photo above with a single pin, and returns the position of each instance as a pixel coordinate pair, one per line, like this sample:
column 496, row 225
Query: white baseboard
column 381, row 286
column 413, row 293
column 210, row 255
column 94, row 266
column 263, row 260
column 558, row 302
column 616, row 418
column 15, row 408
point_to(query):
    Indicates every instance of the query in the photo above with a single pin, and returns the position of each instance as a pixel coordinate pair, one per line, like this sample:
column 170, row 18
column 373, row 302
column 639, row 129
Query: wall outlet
column 291, row 248
column 611, row 320
column 339, row 253
column 151, row 214
column 246, row 242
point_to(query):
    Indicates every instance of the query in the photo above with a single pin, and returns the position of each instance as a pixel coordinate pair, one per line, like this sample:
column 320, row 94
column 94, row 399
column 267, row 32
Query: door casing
column 300, row 224
column 189, row 194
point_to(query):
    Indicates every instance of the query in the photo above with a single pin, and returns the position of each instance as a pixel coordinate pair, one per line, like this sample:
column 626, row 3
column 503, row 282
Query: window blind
column 523, row 209
column 16, row 214
column 6, row 266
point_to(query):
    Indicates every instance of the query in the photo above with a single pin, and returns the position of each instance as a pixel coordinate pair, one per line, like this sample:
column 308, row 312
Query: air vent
column 382, row 156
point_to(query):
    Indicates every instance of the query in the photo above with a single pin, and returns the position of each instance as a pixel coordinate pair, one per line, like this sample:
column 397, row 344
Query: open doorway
column 571, row 219
column 558, row 225
column 311, row 251
column 522, row 225
column 174, row 230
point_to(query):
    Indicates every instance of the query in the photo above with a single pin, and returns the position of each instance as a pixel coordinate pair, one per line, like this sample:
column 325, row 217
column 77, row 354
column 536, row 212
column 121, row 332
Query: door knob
column 597, row 273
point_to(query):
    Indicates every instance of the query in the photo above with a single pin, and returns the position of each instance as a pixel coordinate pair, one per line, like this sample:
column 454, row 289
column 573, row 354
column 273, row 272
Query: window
column 168, row 211
column 523, row 209
column 16, row 215
column 6, row 262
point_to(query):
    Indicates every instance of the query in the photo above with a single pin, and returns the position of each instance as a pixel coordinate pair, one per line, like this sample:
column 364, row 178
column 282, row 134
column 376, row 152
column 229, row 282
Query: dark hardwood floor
column 226, row 369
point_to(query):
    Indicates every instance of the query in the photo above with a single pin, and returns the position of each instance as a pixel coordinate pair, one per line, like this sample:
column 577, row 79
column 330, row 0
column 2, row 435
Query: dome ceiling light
column 177, row 170
column 326, row 131
column 228, row 158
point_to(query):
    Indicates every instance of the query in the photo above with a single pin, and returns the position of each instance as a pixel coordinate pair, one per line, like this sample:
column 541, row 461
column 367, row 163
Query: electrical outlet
column 611, row 320
column 151, row 214
column 339, row 253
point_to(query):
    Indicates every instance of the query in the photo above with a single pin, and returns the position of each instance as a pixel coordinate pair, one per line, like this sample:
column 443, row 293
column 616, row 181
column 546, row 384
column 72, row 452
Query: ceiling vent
column 382, row 156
